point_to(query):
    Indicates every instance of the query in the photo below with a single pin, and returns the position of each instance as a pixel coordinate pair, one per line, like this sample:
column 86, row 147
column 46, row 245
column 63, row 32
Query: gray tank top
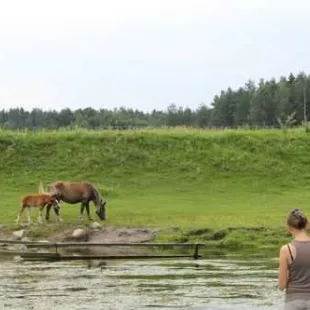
column 299, row 273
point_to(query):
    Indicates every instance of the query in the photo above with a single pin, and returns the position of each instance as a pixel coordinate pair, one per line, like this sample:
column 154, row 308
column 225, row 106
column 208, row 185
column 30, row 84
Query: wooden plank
column 2, row 242
column 33, row 254
column 96, row 257
column 90, row 244
column 9, row 253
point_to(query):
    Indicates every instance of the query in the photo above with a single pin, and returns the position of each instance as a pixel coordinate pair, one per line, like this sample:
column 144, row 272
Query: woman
column 294, row 271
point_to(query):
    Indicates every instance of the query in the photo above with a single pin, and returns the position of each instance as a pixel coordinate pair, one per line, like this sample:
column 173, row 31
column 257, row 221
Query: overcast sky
column 144, row 54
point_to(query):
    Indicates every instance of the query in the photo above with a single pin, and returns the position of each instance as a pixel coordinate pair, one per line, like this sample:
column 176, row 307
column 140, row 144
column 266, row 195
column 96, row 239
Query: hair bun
column 298, row 213
column 297, row 219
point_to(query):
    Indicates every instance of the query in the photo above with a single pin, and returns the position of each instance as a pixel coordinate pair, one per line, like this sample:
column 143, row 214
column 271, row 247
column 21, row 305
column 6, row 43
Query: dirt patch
column 117, row 235
column 113, row 235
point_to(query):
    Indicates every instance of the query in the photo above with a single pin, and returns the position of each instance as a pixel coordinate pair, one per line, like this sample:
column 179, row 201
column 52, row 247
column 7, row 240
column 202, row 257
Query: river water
column 230, row 282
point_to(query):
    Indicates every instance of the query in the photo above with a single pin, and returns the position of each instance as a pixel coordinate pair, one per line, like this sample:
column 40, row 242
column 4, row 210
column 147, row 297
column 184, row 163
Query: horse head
column 54, row 191
column 100, row 211
column 56, row 203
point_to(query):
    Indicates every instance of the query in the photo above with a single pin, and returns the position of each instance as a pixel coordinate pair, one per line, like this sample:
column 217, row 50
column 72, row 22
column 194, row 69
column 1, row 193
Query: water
column 215, row 283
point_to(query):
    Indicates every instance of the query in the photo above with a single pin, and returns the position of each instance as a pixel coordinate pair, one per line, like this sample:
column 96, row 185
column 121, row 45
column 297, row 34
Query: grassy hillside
column 188, row 179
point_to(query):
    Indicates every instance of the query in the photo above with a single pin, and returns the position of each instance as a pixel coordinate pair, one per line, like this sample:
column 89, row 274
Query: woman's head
column 297, row 220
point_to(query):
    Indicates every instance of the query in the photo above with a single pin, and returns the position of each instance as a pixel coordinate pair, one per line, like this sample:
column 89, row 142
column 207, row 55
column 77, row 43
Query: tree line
column 269, row 103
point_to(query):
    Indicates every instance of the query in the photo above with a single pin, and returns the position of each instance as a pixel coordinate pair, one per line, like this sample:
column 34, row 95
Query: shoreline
column 230, row 238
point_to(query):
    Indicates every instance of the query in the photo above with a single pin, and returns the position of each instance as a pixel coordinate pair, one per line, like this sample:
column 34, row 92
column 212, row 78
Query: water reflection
column 213, row 283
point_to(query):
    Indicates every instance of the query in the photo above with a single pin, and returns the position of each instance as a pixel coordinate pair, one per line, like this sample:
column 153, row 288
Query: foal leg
column 22, row 208
column 40, row 214
column 28, row 215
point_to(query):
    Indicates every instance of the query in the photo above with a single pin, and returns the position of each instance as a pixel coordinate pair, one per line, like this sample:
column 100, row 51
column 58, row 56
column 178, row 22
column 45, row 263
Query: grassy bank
column 194, row 184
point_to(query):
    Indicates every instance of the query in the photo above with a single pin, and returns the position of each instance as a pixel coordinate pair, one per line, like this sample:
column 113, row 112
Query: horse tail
column 41, row 189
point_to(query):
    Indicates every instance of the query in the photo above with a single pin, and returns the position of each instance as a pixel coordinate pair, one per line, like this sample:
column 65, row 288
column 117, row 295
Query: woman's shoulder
column 284, row 248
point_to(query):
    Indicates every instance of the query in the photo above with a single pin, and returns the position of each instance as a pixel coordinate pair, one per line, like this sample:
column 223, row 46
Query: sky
column 144, row 54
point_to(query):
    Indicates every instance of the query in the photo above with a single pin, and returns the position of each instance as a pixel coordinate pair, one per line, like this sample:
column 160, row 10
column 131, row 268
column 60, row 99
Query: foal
column 38, row 201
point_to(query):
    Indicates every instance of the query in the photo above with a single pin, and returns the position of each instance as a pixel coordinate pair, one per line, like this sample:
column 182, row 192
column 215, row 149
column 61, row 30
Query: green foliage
column 272, row 104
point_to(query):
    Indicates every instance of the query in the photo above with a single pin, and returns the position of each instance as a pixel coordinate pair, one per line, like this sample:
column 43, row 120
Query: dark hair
column 297, row 219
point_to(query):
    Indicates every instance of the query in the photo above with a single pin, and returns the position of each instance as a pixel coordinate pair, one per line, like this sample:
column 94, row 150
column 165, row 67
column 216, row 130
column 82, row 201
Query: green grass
column 180, row 178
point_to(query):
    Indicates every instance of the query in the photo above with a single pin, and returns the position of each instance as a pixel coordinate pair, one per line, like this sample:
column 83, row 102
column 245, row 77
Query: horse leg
column 56, row 210
column 82, row 211
column 22, row 208
column 87, row 211
column 47, row 212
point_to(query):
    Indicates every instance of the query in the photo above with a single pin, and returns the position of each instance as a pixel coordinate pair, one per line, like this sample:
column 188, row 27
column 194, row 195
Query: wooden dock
column 56, row 256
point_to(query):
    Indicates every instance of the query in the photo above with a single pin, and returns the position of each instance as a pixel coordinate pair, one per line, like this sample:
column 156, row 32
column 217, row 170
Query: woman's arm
column 283, row 268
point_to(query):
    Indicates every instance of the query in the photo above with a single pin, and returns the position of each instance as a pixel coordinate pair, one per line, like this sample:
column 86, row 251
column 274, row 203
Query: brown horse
column 39, row 201
column 77, row 192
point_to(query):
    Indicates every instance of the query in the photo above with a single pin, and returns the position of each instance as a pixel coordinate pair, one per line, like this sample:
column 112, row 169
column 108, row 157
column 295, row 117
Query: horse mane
column 97, row 195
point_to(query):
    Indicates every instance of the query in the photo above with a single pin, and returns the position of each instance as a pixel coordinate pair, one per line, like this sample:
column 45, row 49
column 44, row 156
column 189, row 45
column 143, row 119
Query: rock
column 95, row 225
column 80, row 234
column 18, row 234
